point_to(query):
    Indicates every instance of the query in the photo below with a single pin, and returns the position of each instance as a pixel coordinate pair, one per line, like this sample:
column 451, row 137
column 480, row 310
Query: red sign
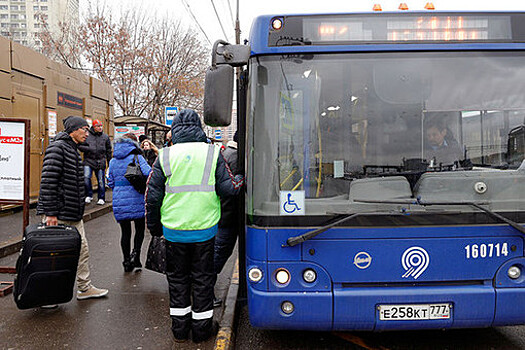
column 12, row 140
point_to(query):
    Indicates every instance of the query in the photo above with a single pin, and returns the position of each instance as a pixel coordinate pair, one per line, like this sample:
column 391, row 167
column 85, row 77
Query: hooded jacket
column 128, row 204
column 96, row 149
column 186, row 127
column 62, row 183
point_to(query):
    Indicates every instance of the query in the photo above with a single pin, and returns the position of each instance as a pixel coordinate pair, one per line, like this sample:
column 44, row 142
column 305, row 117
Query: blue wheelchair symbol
column 290, row 206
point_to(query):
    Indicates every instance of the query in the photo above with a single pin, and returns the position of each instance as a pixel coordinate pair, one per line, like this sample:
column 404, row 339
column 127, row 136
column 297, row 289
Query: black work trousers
column 125, row 238
column 190, row 276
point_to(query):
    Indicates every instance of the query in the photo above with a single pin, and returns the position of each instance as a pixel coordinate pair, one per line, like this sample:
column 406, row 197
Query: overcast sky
column 206, row 18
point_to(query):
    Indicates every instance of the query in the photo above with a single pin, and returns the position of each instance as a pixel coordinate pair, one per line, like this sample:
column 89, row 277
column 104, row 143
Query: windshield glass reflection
column 348, row 127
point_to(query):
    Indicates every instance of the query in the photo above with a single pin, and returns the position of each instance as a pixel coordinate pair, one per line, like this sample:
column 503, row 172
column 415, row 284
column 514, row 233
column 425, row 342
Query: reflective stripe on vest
column 190, row 202
column 203, row 187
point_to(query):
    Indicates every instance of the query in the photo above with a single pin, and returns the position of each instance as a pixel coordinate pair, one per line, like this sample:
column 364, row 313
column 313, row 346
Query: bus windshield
column 345, row 127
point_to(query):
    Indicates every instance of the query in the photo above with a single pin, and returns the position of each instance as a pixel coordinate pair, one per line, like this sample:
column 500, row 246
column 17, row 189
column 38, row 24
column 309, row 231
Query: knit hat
column 73, row 123
column 97, row 122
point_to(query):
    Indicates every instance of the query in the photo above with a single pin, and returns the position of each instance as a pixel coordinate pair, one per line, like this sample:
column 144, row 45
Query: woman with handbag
column 128, row 202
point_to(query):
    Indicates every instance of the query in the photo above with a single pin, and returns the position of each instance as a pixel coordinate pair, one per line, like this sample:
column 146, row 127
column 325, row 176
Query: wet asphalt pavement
column 134, row 315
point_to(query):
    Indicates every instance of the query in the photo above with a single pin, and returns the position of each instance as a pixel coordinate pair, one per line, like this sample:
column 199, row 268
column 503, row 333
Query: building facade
column 45, row 92
column 21, row 20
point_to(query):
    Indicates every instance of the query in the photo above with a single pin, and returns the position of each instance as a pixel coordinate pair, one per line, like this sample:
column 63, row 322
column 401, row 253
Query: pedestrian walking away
column 182, row 203
column 228, row 228
column 97, row 151
column 128, row 204
column 61, row 198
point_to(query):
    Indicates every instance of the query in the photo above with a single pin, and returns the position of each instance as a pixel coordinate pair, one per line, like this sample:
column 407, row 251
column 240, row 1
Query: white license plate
column 414, row 312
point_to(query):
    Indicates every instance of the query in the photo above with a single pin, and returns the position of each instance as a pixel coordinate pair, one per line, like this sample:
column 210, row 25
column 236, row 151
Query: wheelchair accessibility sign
column 292, row 203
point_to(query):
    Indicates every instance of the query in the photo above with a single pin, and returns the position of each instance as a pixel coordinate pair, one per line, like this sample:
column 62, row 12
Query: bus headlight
column 282, row 276
column 277, row 23
column 255, row 274
column 309, row 275
column 514, row 272
column 287, row 307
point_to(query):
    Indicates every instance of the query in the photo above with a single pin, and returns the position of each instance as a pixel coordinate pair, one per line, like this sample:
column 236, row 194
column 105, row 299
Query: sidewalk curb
column 224, row 340
column 13, row 245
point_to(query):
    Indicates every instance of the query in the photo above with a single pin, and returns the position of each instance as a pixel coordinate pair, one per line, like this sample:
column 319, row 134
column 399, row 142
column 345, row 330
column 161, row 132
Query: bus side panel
column 357, row 308
column 313, row 311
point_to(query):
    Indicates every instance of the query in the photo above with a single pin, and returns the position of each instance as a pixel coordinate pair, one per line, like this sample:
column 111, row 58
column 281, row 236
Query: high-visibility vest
column 190, row 201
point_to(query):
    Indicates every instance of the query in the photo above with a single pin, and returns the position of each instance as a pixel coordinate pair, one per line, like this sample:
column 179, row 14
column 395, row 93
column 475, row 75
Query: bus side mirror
column 218, row 86
column 218, row 96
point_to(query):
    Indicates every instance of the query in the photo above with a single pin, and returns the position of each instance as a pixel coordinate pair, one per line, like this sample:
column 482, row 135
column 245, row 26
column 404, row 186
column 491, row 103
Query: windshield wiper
column 295, row 240
column 418, row 201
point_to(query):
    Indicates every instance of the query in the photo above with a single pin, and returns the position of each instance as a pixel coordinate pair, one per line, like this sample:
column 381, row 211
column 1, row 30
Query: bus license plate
column 414, row 312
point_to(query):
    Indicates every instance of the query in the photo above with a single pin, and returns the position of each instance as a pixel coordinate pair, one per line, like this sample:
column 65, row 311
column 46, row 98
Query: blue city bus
column 380, row 191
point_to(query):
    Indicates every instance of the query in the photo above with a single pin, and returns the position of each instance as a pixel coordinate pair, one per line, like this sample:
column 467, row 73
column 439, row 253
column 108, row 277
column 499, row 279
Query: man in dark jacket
column 182, row 203
column 441, row 147
column 61, row 198
column 227, row 234
column 97, row 151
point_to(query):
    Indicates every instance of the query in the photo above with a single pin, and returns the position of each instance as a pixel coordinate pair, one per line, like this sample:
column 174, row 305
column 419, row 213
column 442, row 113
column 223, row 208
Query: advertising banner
column 12, row 160
column 52, row 123
column 134, row 129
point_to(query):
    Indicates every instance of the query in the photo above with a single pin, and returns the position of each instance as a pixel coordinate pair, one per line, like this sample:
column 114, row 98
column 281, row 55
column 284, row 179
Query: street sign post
column 169, row 113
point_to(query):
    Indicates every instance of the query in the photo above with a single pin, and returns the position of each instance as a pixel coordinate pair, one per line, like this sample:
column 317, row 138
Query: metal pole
column 237, row 27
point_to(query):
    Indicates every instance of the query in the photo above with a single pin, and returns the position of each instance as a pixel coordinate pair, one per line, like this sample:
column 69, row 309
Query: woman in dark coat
column 151, row 151
column 128, row 204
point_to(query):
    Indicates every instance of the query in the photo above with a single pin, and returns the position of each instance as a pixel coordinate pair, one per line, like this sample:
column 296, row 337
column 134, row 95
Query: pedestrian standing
column 151, row 151
column 97, row 151
column 228, row 228
column 182, row 203
column 128, row 204
column 168, row 141
column 61, row 198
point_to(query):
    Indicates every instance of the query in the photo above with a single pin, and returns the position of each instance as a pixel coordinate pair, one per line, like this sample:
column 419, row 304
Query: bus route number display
column 12, row 160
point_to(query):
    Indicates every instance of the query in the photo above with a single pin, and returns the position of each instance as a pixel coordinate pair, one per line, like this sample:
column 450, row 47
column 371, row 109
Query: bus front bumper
column 356, row 308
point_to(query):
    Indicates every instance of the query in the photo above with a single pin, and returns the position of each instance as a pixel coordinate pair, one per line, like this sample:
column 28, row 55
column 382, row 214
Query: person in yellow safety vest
column 182, row 203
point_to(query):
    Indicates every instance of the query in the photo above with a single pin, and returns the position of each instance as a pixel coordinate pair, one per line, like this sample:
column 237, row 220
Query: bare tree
column 150, row 62
column 179, row 67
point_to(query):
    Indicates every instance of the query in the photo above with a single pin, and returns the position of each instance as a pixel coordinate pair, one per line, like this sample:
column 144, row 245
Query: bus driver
column 440, row 144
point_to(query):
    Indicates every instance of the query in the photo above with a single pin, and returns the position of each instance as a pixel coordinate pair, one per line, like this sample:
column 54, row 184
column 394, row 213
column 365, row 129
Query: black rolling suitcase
column 47, row 266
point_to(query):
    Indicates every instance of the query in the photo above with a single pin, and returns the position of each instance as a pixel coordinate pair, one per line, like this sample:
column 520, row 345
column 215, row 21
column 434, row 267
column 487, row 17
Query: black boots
column 128, row 266
column 132, row 262
column 135, row 259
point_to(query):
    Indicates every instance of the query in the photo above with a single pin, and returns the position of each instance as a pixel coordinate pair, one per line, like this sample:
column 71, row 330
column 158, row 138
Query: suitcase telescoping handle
column 42, row 226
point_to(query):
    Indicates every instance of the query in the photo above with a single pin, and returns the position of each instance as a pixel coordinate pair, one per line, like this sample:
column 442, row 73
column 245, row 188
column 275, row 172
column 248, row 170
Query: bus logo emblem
column 362, row 260
column 415, row 261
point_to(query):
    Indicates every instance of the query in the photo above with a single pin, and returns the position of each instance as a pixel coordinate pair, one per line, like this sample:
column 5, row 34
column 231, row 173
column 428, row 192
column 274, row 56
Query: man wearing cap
column 61, row 198
column 97, row 151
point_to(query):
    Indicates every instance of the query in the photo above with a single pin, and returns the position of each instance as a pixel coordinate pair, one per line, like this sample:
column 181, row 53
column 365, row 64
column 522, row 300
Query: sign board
column 70, row 101
column 218, row 134
column 292, row 203
column 169, row 113
column 12, row 160
column 134, row 129
column 52, row 123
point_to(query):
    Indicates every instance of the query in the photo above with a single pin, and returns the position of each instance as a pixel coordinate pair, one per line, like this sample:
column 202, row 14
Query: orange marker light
column 403, row 6
column 377, row 7
column 429, row 6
